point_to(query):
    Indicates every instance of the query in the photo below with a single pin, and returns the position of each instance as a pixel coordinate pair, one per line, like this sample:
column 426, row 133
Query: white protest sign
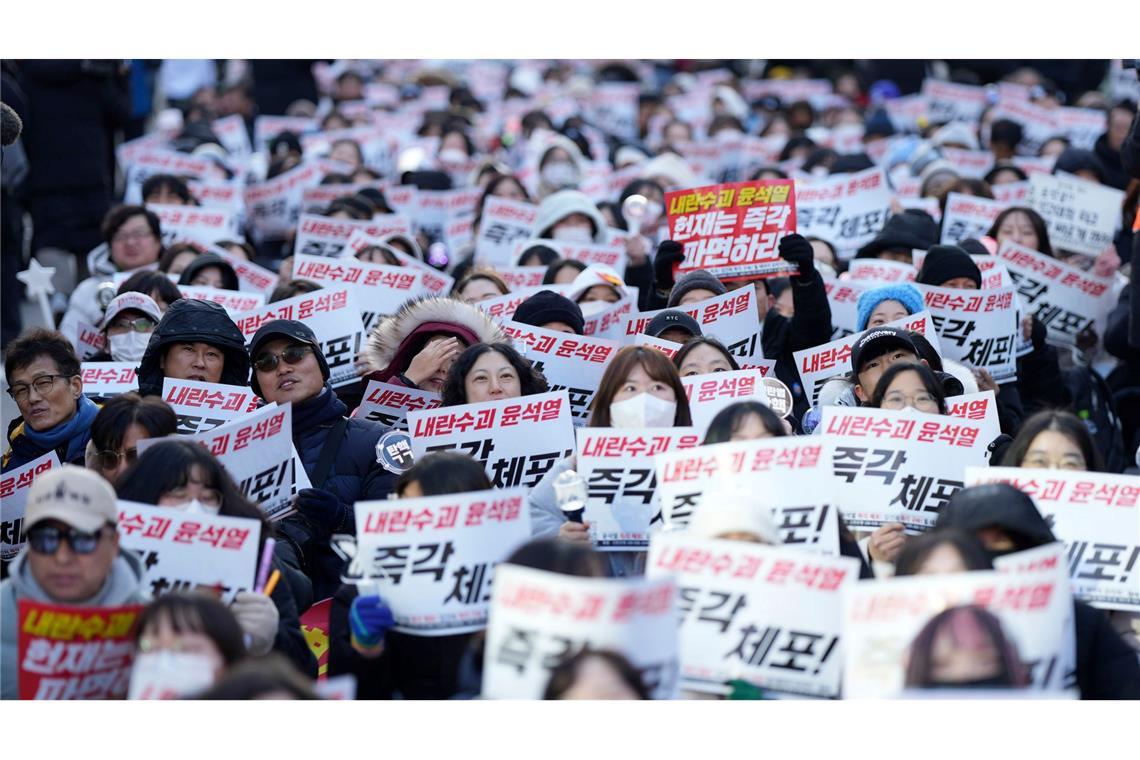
column 708, row 394
column 14, row 487
column 504, row 223
column 200, row 224
column 158, row 160
column 432, row 558
column 969, row 163
column 882, row 617
column 219, row 194
column 203, row 406
column 517, row 440
column 876, row 272
column 1063, row 298
column 898, row 466
column 252, row 278
column 979, row 407
column 816, row 365
column 265, row 128
column 181, row 552
column 950, row 101
column 843, row 298
column 968, row 216
column 521, row 277
column 847, row 210
column 1012, row 193
column 667, row 347
column 731, row 318
column 1082, row 216
column 611, row 255
column 89, row 340
column 621, row 481
column 1081, row 125
column 380, row 289
column 106, row 379
column 435, row 281
column 976, row 327
column 608, row 321
column 233, row 301
column 539, row 619
column 233, row 134
column 325, row 236
column 769, row 615
column 389, row 404
column 333, row 316
column 273, row 206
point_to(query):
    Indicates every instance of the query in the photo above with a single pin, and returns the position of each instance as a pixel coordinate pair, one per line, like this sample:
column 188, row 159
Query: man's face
column 873, row 369
column 43, row 411
column 288, row 382
column 193, row 361
column 134, row 244
column 69, row 577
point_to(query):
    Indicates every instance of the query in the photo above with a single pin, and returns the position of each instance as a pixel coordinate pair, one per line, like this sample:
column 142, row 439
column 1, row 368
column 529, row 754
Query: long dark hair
column 656, row 365
column 152, row 414
column 728, row 420
column 929, row 381
column 918, row 548
column 556, row 556
column 565, row 673
column 702, row 340
column 1035, row 220
column 197, row 613
column 972, row 620
column 148, row 281
column 1068, row 425
column 444, row 472
column 256, row 677
column 454, row 392
column 553, row 270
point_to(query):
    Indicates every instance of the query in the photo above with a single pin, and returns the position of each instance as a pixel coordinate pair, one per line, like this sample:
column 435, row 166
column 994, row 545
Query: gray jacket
column 546, row 518
column 123, row 586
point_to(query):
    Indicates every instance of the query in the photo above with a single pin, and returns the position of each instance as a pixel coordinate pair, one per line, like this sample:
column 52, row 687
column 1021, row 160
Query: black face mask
column 1000, row 681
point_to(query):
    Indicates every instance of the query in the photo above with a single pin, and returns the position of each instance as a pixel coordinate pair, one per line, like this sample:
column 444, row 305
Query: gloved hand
column 368, row 619
column 257, row 615
column 797, row 250
column 669, row 255
column 321, row 509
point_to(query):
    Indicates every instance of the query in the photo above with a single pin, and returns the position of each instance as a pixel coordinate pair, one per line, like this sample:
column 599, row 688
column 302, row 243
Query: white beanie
column 672, row 167
column 595, row 274
column 722, row 512
column 557, row 206
column 957, row 133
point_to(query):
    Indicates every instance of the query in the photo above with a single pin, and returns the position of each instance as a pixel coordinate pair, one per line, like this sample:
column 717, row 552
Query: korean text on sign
column 14, row 487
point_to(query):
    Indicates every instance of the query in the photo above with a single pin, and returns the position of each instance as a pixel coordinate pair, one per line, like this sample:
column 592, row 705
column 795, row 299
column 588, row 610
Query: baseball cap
column 877, row 342
column 72, row 495
column 284, row 328
column 131, row 300
column 671, row 319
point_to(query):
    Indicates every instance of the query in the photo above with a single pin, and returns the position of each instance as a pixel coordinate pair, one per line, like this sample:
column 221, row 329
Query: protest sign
column 876, row 272
column 233, row 301
column 538, row 619
column 968, row 216
column 608, row 321
column 976, row 327
column 274, row 206
column 516, row 440
column 574, row 363
column 1012, row 193
column 950, row 101
column 194, row 223
column 107, row 379
column 325, row 236
column 389, row 404
column 435, row 282
column 503, row 307
column 1038, row 123
column 380, row 289
column 816, row 365
column 521, row 277
column 843, row 298
column 503, row 225
column 974, row 164
column 14, row 487
column 882, row 617
column 1081, row 125
column 731, row 318
column 1063, row 298
column 979, row 407
column 710, row 393
column 613, row 107
column 183, row 552
column 608, row 254
column 74, row 652
column 791, row 476
column 251, row 277
column 219, row 194
column 333, row 316
column 89, row 340
column 150, row 161
column 769, row 615
column 203, row 406
column 621, row 481
column 667, row 347
column 266, row 127
column 847, row 210
column 316, row 199
column 1082, row 216
column 432, row 558
column 898, row 466
column 733, row 230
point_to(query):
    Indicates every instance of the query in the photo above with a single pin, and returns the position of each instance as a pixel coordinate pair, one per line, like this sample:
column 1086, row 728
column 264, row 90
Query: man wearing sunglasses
column 338, row 453
column 72, row 557
column 196, row 340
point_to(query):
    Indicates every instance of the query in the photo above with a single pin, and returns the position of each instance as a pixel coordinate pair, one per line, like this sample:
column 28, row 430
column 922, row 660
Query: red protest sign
column 733, row 230
column 315, row 628
column 75, row 652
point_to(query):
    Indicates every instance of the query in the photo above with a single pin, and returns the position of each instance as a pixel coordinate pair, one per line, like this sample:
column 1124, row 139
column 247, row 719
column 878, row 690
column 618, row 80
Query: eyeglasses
column 139, row 324
column 43, row 385
column 109, row 460
column 124, row 237
column 897, row 400
column 268, row 362
column 46, row 539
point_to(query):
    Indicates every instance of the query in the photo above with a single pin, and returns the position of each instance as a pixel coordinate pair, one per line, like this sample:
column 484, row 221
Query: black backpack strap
column 329, row 452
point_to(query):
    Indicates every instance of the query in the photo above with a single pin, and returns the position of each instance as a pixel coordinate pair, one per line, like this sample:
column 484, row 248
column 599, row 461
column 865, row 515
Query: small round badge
column 394, row 452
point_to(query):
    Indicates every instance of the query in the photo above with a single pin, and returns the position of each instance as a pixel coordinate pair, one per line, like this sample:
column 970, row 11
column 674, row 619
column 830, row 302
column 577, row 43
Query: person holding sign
column 72, row 557
column 937, row 552
column 489, row 372
column 339, row 454
column 43, row 377
column 196, row 340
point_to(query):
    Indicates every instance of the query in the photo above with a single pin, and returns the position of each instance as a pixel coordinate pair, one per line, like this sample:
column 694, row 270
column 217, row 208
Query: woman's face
column 134, row 244
column 565, row 276
column 907, row 390
column 53, row 406
column 1017, row 227
column 677, row 133
column 939, row 183
column 435, row 382
column 196, row 487
column 821, row 251
column 211, row 277
column 160, row 636
column 704, row 359
column 510, row 189
column 453, row 141
column 638, row 381
column 600, row 293
column 1054, row 450
column 1005, row 177
column 492, row 377
column 750, row 428
column 953, row 660
column 943, row 559
column 127, row 451
column 695, row 295
column 345, row 152
column 597, row 679
column 886, row 311
column 576, row 225
column 479, row 289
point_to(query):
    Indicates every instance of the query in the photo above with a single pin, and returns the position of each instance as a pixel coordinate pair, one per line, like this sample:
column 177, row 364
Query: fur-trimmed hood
column 396, row 339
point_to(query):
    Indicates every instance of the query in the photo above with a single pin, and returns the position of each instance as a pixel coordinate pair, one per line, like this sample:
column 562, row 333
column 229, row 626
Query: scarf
column 27, row 444
column 322, row 409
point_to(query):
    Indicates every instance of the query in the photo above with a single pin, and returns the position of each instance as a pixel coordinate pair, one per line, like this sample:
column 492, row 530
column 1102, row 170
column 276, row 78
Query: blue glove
column 321, row 508
column 368, row 619
column 797, row 250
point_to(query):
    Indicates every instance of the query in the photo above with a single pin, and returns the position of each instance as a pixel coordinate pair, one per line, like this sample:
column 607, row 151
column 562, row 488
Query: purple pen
column 266, row 561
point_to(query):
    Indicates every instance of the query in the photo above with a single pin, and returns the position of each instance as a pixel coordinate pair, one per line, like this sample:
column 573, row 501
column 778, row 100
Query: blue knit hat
column 904, row 293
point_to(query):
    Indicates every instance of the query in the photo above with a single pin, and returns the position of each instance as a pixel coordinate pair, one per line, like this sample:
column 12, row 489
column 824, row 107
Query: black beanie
column 547, row 306
column 698, row 279
column 945, row 262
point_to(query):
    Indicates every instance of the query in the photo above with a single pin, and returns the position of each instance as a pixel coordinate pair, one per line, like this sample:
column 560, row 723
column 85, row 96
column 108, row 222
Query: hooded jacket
column 122, row 586
column 396, row 340
column 191, row 320
column 229, row 276
column 557, row 206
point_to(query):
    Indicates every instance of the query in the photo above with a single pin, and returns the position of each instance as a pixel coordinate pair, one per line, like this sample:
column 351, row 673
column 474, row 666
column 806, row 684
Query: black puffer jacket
column 810, row 326
column 190, row 320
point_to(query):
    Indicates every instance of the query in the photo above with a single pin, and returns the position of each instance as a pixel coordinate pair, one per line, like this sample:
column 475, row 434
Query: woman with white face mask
column 184, row 476
column 570, row 216
column 640, row 389
column 127, row 325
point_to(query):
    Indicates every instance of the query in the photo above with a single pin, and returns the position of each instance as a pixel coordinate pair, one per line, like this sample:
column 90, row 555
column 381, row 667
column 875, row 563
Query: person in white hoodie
column 72, row 557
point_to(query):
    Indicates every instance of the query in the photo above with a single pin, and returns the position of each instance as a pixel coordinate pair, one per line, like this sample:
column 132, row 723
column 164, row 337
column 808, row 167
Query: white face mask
column 643, row 410
column 128, row 347
column 452, row 156
column 560, row 174
column 590, row 308
column 572, row 234
column 195, row 507
column 170, row 675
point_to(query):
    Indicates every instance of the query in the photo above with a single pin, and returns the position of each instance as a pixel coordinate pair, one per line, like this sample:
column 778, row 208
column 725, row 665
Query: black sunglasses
column 268, row 362
column 46, row 539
